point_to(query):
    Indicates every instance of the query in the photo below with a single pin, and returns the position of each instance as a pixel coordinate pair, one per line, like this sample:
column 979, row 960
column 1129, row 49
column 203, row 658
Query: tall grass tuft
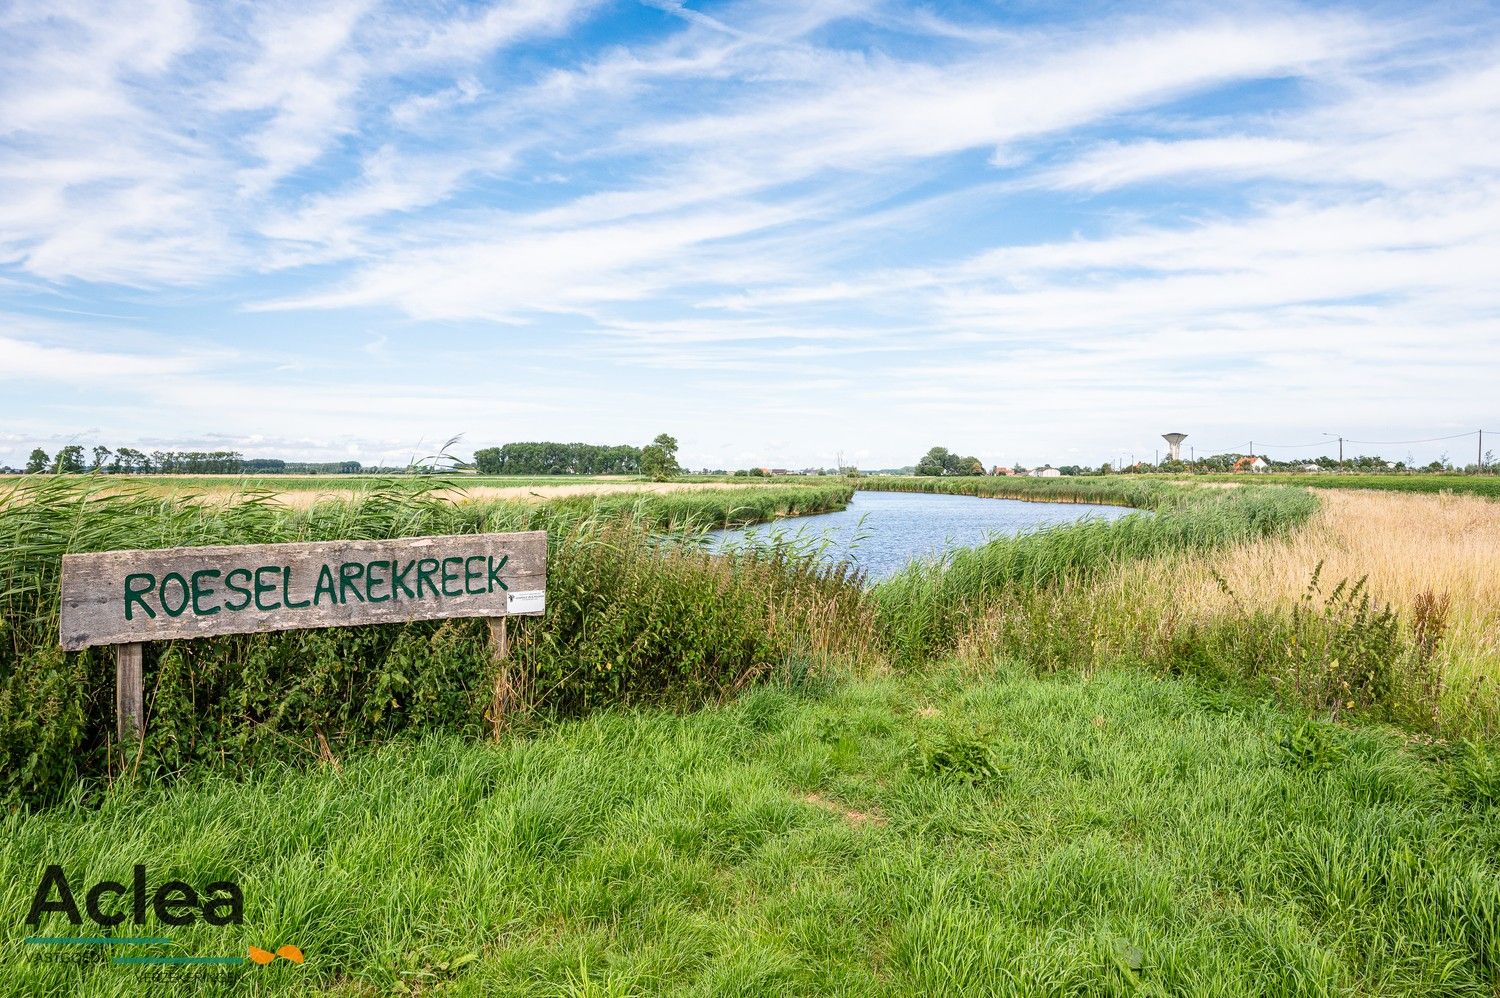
column 926, row 608
column 630, row 619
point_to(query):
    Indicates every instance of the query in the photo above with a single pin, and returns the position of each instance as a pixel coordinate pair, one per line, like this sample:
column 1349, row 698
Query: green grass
column 331, row 483
column 1022, row 815
column 960, row 832
column 1114, row 490
column 1479, row 485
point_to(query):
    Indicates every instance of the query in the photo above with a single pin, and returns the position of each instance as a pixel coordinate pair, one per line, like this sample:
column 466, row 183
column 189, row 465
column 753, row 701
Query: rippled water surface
column 882, row 531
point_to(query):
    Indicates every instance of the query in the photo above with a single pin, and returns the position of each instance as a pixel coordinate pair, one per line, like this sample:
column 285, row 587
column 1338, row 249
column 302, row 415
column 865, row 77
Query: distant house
column 1250, row 463
column 997, row 470
column 780, row 471
column 1046, row 471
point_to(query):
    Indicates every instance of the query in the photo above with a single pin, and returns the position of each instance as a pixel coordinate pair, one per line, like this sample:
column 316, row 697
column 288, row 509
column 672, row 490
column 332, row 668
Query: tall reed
column 630, row 619
column 924, row 609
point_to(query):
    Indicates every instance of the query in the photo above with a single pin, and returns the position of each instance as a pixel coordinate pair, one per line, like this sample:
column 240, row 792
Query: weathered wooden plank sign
column 126, row 597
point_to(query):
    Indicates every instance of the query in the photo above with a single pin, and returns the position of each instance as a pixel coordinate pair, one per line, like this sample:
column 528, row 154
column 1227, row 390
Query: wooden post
column 130, row 691
column 505, row 693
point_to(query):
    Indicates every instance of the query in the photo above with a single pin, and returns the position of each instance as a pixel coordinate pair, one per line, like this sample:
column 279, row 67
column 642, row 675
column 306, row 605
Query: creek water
column 882, row 532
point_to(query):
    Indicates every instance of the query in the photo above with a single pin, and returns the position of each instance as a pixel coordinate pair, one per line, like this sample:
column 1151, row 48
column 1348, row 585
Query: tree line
column 74, row 459
column 77, row 459
column 657, row 460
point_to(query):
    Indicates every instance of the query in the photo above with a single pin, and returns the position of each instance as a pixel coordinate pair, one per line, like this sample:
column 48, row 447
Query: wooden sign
column 126, row 596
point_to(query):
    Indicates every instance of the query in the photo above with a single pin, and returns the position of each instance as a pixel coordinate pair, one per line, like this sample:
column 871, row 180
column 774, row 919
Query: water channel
column 881, row 532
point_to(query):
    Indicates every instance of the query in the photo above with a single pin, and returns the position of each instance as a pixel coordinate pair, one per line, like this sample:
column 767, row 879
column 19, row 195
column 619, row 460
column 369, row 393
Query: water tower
column 1174, row 444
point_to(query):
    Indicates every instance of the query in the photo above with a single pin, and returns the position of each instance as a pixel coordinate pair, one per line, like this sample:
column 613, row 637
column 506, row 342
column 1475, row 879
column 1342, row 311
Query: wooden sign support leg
column 503, row 700
column 130, row 691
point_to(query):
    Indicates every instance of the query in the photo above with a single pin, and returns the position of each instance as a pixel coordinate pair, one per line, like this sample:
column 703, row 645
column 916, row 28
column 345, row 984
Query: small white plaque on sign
column 533, row 601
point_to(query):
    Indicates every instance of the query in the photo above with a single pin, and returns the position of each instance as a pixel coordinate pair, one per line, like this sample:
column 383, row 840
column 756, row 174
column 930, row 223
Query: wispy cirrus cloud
column 688, row 213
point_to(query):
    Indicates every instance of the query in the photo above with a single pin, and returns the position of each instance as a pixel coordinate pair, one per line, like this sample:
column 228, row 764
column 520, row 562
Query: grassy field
column 1138, row 757
column 1478, row 485
column 322, row 483
column 964, row 831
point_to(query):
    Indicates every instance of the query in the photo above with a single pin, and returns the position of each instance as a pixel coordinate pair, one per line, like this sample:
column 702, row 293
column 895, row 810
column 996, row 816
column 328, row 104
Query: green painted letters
column 495, row 567
column 265, row 587
column 398, row 580
column 371, row 581
column 286, row 590
column 201, row 592
column 451, row 577
column 161, row 595
column 348, row 572
column 426, row 569
column 243, row 590
column 472, row 575
column 325, row 585
column 134, row 595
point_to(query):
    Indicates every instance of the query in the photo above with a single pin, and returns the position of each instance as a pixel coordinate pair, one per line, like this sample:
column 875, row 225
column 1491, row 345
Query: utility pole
column 1341, row 446
column 1481, row 450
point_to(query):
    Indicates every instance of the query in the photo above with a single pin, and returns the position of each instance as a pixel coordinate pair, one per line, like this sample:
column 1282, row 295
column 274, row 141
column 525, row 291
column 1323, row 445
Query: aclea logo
column 173, row 902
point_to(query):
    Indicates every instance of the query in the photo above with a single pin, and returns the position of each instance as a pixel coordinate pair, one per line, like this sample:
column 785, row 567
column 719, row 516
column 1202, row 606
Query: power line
column 1424, row 440
column 1351, row 440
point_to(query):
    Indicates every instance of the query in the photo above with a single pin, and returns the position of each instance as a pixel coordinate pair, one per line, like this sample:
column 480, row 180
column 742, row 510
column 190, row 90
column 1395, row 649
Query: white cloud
column 33, row 362
column 926, row 224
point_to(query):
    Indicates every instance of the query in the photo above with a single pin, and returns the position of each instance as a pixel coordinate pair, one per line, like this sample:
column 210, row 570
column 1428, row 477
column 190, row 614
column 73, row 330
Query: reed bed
column 926, row 609
column 1386, row 605
column 631, row 619
column 1408, row 547
column 1116, row 490
column 1486, row 485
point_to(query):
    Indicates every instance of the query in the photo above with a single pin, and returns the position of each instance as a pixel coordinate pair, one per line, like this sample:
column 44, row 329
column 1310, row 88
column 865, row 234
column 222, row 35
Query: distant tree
column 942, row 461
column 101, row 454
column 934, row 462
column 659, row 458
column 37, row 462
column 69, row 460
column 128, row 460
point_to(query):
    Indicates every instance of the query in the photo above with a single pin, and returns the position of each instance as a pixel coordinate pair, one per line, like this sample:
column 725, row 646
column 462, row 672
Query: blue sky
column 1024, row 231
